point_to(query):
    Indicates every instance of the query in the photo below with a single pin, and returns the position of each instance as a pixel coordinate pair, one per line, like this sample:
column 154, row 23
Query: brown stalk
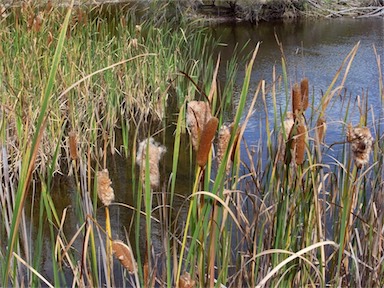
column 207, row 136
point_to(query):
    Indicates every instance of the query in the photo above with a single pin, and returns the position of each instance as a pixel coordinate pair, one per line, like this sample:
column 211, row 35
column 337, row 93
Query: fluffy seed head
column 361, row 144
column 222, row 142
column 186, row 281
column 155, row 153
column 104, row 189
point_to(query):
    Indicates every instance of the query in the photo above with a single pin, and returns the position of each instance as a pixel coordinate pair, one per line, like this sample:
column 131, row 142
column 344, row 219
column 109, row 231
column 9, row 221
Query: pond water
column 314, row 49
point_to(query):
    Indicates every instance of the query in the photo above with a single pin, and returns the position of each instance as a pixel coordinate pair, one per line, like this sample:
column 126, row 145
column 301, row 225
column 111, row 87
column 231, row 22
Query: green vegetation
column 70, row 88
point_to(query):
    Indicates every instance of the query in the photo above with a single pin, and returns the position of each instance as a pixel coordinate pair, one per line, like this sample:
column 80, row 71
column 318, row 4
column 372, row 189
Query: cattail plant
column 304, row 93
column 104, row 189
column 155, row 152
column 361, row 144
column 222, row 143
column 321, row 128
column 198, row 114
column 186, row 281
column 299, row 142
column 106, row 196
column 206, row 139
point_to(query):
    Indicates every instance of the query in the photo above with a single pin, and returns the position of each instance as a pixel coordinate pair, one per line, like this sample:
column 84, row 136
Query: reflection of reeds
column 361, row 144
column 206, row 141
column 155, row 153
column 198, row 114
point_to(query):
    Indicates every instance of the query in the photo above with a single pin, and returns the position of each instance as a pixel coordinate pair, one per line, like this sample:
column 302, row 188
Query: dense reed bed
column 277, row 216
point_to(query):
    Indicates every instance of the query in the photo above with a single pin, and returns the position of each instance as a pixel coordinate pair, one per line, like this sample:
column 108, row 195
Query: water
column 313, row 49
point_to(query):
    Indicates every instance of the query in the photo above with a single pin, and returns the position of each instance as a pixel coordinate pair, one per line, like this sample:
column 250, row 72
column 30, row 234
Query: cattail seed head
column 72, row 145
column 104, row 189
column 297, row 106
column 124, row 254
column 304, row 93
column 222, row 142
column 155, row 153
column 287, row 126
column 361, row 144
column 300, row 143
column 206, row 139
column 186, row 281
column 198, row 114
column 321, row 128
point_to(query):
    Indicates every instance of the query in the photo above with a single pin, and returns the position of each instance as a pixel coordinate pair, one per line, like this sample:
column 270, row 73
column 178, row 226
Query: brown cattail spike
column 296, row 101
column 124, row 254
column 104, row 189
column 321, row 128
column 304, row 93
column 206, row 141
column 198, row 114
column 300, row 143
column 361, row 144
column 155, row 153
column 72, row 145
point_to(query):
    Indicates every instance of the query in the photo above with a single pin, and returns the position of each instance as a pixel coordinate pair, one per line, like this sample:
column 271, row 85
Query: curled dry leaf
column 124, row 254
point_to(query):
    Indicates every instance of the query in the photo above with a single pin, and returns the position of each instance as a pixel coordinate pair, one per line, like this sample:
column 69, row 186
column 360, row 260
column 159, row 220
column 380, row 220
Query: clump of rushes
column 186, row 281
column 198, row 114
column 206, row 139
column 155, row 152
column 124, row 254
column 104, row 189
column 361, row 143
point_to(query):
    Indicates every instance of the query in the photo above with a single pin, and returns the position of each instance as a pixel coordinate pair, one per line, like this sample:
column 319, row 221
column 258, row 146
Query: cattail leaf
column 206, row 141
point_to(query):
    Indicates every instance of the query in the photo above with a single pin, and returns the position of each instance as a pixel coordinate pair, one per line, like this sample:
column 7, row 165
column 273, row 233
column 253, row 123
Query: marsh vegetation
column 76, row 81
